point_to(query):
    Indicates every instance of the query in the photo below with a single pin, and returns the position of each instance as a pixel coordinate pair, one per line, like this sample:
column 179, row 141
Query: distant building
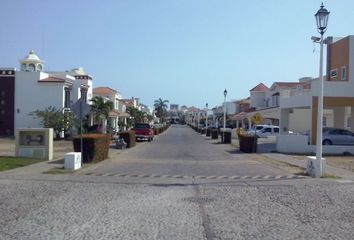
column 174, row 107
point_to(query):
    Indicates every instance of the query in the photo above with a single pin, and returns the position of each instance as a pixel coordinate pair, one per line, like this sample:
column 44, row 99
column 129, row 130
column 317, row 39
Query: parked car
column 143, row 131
column 337, row 136
column 263, row 131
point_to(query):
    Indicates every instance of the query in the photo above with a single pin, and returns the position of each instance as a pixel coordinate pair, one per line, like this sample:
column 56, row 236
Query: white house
column 36, row 89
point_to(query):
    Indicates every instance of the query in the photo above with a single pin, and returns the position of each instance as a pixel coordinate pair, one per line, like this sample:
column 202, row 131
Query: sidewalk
column 266, row 149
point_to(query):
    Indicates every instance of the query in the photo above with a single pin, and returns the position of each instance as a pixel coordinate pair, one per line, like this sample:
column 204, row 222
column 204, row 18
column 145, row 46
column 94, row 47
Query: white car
column 264, row 131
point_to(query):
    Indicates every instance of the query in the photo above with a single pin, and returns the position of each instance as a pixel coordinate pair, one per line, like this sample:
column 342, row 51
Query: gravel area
column 304, row 209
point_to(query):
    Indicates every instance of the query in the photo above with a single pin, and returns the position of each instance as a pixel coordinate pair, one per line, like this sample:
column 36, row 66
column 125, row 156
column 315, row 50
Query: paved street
column 141, row 205
column 183, row 152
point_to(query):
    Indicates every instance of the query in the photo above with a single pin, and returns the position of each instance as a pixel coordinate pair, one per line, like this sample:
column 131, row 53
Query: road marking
column 234, row 177
column 344, row 181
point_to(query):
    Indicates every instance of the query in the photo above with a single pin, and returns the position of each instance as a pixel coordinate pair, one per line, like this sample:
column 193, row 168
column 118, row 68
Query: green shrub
column 95, row 147
column 129, row 138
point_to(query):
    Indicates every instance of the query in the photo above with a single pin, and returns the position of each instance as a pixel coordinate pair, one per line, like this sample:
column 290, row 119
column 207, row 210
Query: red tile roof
column 103, row 90
column 52, row 79
column 260, row 88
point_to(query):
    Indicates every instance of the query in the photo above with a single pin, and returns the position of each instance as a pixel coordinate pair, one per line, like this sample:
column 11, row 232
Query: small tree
column 54, row 118
column 101, row 108
column 161, row 108
column 138, row 116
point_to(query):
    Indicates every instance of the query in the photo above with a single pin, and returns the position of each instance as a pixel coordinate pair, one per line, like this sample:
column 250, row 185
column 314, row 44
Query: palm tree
column 100, row 108
column 161, row 108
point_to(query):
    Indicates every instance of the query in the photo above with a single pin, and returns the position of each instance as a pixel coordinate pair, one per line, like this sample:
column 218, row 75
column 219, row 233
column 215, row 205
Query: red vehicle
column 143, row 131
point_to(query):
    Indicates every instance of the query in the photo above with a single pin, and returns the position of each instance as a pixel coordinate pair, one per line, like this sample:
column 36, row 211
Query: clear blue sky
column 185, row 51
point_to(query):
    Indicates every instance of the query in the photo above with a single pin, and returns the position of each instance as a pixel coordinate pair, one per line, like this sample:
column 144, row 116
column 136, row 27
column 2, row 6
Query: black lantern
column 206, row 105
column 322, row 19
column 225, row 93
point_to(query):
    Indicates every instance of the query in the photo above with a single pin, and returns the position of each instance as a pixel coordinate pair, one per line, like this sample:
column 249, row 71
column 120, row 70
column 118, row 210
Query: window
column 333, row 73
column 349, row 122
column 31, row 67
column 276, row 130
column 67, row 98
column 324, row 121
column 83, row 93
column 267, row 130
column 343, row 73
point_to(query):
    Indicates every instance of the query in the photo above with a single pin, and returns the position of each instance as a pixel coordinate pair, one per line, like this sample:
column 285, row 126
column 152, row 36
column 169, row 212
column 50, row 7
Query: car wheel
column 326, row 142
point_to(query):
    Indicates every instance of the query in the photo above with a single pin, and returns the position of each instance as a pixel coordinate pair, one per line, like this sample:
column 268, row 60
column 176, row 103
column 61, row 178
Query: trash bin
column 208, row 132
column 248, row 144
column 214, row 134
column 225, row 135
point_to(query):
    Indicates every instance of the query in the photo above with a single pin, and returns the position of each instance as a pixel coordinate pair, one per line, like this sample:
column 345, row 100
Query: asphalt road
column 143, row 206
column 182, row 152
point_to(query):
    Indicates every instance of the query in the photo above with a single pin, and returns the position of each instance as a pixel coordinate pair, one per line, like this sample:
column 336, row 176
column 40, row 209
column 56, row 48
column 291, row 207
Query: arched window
column 39, row 67
column 31, row 67
column 23, row 66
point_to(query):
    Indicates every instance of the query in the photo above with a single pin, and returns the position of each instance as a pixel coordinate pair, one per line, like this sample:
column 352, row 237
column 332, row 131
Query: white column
column 339, row 117
column 284, row 121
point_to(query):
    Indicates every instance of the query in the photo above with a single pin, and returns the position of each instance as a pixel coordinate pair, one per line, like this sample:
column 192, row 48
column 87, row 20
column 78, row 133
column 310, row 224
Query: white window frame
column 343, row 76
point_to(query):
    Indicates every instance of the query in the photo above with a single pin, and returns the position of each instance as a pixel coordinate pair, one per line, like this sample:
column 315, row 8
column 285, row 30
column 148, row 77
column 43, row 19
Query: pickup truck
column 143, row 131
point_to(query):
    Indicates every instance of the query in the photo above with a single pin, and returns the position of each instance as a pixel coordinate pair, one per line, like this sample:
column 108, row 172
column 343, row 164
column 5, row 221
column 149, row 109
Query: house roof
column 54, row 79
column 259, row 88
column 103, row 90
column 116, row 113
column 193, row 109
column 245, row 101
column 281, row 85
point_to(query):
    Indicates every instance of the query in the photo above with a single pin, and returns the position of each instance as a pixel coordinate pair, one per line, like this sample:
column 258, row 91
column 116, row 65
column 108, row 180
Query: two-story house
column 32, row 88
column 118, row 116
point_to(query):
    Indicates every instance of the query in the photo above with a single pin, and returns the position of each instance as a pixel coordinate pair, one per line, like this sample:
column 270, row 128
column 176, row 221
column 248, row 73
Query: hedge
column 129, row 138
column 95, row 147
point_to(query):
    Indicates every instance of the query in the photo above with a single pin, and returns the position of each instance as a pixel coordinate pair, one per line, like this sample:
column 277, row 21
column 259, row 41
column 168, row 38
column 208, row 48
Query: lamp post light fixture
column 206, row 118
column 223, row 133
column 321, row 20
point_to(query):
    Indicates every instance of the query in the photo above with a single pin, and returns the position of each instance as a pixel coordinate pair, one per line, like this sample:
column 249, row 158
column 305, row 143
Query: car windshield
column 141, row 125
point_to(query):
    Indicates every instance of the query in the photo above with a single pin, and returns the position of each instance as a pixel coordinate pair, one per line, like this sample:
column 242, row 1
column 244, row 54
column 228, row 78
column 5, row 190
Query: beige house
column 338, row 100
column 118, row 114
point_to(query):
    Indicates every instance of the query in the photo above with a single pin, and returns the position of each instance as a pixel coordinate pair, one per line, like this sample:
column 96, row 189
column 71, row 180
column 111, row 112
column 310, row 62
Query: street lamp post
column 206, row 118
column 321, row 20
column 223, row 133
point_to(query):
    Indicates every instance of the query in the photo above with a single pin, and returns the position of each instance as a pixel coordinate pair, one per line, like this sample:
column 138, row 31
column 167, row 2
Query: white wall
column 300, row 120
column 257, row 99
column 31, row 95
column 299, row 144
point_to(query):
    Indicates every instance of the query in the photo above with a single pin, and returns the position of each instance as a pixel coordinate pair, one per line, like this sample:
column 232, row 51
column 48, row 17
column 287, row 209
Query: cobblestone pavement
column 292, row 209
column 94, row 205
